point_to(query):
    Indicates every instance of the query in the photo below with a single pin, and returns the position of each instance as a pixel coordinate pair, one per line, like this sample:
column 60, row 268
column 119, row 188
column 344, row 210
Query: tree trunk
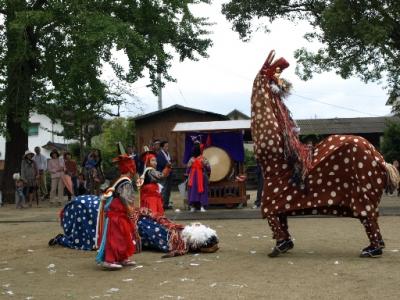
column 15, row 148
column 17, row 104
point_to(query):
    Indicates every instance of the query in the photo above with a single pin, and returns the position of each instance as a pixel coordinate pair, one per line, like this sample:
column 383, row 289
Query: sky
column 222, row 82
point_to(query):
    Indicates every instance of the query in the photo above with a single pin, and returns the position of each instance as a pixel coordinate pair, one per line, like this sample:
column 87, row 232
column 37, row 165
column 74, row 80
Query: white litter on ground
column 164, row 282
column 186, row 279
column 112, row 290
column 137, row 267
column 194, row 265
column 253, row 252
column 127, row 279
column 336, row 262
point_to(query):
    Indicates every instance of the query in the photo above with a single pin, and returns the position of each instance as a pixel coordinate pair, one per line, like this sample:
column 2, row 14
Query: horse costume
column 343, row 175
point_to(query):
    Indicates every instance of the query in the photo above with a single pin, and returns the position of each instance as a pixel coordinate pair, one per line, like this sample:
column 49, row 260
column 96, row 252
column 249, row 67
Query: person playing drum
column 198, row 170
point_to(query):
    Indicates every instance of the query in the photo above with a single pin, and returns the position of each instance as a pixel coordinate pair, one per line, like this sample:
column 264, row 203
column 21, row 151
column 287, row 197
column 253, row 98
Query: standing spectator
column 41, row 164
column 155, row 146
column 198, row 169
column 131, row 151
column 71, row 170
column 93, row 172
column 56, row 168
column 397, row 166
column 260, row 186
column 164, row 160
column 29, row 175
column 19, row 191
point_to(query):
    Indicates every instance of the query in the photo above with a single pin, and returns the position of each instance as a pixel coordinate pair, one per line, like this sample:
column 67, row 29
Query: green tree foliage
column 52, row 54
column 358, row 37
column 114, row 131
column 249, row 158
column 391, row 142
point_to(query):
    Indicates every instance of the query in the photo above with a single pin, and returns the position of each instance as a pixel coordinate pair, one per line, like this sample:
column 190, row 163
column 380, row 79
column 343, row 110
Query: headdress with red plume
column 125, row 163
column 270, row 66
column 147, row 155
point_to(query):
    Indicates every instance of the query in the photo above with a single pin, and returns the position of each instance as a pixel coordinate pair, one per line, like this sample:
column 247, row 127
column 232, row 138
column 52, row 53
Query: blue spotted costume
column 78, row 220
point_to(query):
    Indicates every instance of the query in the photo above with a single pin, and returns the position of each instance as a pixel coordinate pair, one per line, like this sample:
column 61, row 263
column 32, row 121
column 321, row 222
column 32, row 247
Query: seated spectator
column 81, row 185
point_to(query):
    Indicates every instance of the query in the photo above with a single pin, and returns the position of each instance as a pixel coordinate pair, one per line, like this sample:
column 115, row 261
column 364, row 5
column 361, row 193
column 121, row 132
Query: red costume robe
column 150, row 196
column 115, row 236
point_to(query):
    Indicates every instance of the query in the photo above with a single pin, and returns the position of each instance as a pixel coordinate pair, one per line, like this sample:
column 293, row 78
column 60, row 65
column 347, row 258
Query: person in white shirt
column 56, row 169
column 41, row 164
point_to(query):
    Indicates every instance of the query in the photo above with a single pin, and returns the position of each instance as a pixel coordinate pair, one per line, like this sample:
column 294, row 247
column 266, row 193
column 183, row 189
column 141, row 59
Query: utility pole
column 159, row 92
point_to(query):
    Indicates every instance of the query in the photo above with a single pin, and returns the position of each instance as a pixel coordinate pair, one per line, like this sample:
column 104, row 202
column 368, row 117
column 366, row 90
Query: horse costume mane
column 297, row 154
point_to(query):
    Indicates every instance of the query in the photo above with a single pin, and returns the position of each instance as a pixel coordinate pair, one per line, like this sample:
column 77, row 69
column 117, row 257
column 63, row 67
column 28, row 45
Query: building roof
column 231, row 125
column 50, row 146
column 237, row 115
column 178, row 107
column 307, row 126
column 344, row 125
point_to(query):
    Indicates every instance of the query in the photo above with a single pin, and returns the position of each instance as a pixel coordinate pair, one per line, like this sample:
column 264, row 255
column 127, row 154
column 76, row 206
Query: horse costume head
column 278, row 125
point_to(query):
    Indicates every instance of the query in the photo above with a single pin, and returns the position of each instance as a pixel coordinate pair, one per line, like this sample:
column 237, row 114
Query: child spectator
column 30, row 176
column 19, row 191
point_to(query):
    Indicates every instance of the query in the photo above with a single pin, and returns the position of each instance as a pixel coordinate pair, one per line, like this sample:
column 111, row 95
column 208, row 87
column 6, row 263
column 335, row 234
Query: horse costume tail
column 393, row 177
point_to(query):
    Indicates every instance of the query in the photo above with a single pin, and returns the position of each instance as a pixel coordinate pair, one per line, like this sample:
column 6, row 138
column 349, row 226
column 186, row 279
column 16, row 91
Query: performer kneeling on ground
column 150, row 193
column 116, row 232
column 78, row 220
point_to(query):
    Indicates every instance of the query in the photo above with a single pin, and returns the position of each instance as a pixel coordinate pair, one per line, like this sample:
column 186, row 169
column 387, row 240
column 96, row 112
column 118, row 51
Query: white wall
column 44, row 136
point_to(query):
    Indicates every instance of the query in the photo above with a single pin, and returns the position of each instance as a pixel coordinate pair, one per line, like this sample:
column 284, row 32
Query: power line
column 232, row 72
column 335, row 105
column 180, row 92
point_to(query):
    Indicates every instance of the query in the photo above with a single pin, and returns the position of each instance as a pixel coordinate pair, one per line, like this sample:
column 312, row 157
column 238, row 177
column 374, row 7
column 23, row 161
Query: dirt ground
column 323, row 265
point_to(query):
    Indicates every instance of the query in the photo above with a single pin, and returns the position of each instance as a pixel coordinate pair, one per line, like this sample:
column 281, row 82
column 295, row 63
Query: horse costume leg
column 376, row 242
column 279, row 227
column 284, row 224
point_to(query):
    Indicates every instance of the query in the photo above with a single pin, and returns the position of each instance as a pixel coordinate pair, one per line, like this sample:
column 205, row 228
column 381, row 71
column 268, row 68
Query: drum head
column 220, row 163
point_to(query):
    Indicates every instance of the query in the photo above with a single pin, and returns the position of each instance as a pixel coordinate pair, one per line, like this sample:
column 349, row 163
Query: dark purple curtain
column 231, row 142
